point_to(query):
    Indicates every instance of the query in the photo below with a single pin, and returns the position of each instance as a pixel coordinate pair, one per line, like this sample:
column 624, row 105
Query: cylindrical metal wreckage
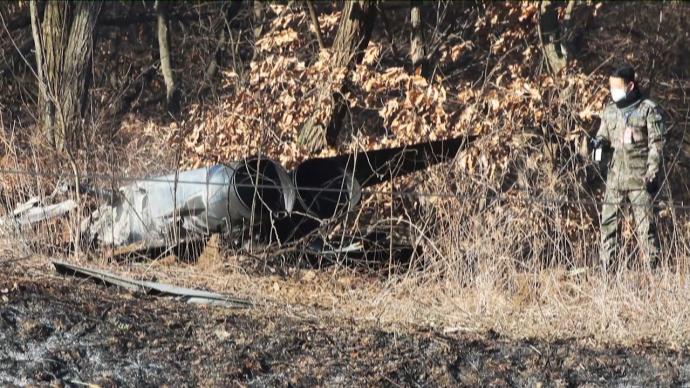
column 255, row 194
column 175, row 208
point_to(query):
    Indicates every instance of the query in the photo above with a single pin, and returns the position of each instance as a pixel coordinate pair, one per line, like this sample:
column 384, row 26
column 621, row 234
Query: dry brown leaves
column 525, row 117
column 267, row 114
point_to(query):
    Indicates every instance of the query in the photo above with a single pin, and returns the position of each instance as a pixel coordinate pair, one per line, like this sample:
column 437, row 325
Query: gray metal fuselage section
column 254, row 194
column 191, row 204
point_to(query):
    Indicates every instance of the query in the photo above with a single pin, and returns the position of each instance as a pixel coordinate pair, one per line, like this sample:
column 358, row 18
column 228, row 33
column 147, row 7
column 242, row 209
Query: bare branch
column 315, row 23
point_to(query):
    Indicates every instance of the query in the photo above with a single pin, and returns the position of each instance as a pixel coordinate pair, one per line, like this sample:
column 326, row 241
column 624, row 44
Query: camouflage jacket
column 636, row 134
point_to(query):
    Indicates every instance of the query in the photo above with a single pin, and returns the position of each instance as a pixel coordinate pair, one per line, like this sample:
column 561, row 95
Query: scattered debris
column 254, row 195
column 28, row 213
column 151, row 288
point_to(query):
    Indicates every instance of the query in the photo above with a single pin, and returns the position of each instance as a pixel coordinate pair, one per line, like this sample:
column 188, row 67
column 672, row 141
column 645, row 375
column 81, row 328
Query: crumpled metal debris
column 254, row 195
column 174, row 208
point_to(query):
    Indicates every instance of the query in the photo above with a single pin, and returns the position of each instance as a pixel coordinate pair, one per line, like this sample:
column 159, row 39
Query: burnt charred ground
column 66, row 331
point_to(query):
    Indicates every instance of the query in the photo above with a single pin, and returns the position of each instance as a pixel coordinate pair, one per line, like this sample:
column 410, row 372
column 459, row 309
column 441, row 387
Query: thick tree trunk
column 172, row 93
column 231, row 11
column 417, row 49
column 354, row 32
column 64, row 47
column 556, row 38
column 352, row 38
column 259, row 11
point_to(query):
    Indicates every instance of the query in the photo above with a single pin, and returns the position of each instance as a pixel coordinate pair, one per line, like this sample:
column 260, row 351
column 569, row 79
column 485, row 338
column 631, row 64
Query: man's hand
column 598, row 145
column 599, row 142
column 596, row 142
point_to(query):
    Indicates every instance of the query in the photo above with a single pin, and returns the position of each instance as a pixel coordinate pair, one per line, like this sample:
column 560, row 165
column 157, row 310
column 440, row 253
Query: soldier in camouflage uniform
column 633, row 127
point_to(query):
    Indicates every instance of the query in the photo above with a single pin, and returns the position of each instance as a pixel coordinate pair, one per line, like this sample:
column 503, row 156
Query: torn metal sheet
column 151, row 288
column 37, row 214
column 28, row 213
column 25, row 206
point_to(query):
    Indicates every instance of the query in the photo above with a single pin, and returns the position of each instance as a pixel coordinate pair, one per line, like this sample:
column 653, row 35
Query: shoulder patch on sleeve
column 649, row 102
column 653, row 111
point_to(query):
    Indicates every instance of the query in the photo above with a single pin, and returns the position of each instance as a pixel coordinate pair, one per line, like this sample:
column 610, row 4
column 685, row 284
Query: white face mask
column 618, row 94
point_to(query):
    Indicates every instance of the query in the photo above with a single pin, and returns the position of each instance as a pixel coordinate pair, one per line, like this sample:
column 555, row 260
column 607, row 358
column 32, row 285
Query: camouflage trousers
column 645, row 227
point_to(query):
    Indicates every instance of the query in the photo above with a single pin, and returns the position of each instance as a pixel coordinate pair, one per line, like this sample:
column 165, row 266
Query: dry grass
column 491, row 260
column 628, row 309
column 496, row 294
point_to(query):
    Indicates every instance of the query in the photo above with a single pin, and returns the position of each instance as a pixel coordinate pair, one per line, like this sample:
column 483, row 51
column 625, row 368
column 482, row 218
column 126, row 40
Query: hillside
column 504, row 238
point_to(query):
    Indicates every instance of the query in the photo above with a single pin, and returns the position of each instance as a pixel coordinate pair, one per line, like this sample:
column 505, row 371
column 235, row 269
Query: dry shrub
column 508, row 233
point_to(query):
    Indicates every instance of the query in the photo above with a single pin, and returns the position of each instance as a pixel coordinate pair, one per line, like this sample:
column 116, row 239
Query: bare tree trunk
column 315, row 23
column 64, row 47
column 417, row 49
column 386, row 30
column 259, row 10
column 38, row 50
column 172, row 93
column 231, row 11
column 553, row 37
column 352, row 38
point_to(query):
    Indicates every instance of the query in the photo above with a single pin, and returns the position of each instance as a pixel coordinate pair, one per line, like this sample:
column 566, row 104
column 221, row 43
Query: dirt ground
column 62, row 331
